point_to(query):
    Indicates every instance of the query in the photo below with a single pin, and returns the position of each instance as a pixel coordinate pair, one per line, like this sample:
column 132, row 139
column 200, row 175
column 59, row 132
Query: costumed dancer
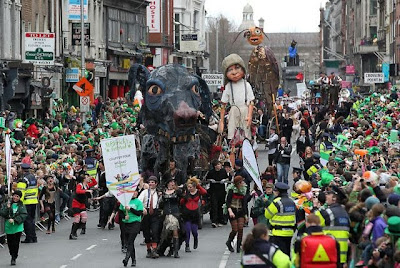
column 151, row 219
column 132, row 217
column 79, row 204
column 239, row 94
column 190, row 212
column 48, row 205
column 14, row 212
column 170, row 205
column 236, row 207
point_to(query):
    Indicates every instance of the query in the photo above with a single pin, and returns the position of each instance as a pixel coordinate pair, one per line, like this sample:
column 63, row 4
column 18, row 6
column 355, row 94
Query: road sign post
column 374, row 78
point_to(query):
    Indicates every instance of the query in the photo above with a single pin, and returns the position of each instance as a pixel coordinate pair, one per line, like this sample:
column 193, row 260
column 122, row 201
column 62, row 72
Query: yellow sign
column 320, row 255
column 126, row 64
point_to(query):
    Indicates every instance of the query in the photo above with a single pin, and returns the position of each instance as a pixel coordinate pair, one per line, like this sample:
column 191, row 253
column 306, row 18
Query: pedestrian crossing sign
column 320, row 255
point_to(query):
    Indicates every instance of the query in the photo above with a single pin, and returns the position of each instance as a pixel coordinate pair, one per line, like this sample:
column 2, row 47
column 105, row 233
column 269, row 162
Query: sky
column 279, row 15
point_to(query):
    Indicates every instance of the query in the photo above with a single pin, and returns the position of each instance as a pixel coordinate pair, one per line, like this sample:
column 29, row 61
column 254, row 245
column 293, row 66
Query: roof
column 247, row 8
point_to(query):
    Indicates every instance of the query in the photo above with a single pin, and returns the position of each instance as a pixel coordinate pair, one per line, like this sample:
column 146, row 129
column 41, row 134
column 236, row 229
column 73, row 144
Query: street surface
column 101, row 248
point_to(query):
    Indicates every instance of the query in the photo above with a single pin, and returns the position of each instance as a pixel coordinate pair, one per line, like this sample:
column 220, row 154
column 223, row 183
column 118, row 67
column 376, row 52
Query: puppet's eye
column 257, row 31
column 195, row 90
column 154, row 90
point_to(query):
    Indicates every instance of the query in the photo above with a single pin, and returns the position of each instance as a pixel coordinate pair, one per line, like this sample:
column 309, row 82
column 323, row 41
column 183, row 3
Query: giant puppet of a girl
column 239, row 94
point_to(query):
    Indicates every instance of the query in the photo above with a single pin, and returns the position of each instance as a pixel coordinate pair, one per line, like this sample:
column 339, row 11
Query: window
column 373, row 7
column 195, row 18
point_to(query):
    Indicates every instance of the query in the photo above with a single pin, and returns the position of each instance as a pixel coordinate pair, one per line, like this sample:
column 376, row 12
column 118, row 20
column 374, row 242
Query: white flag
column 250, row 163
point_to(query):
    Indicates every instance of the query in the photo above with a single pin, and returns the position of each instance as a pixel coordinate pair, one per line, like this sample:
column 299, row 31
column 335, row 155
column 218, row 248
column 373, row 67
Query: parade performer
column 79, row 204
column 239, row 94
column 14, row 212
column 48, row 205
column 190, row 211
column 132, row 217
column 151, row 219
column 281, row 214
column 171, row 224
column 259, row 252
column 236, row 207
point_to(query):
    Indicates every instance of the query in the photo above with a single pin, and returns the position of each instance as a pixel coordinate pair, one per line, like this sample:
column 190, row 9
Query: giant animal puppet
column 175, row 102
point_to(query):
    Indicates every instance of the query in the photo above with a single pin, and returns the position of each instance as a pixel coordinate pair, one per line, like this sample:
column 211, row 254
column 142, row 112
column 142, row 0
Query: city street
column 101, row 248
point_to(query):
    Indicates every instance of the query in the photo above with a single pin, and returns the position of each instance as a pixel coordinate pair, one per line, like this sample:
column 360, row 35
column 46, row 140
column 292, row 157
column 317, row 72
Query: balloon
column 360, row 152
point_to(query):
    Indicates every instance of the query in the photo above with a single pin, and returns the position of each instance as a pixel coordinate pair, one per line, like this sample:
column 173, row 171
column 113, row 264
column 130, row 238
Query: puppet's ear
column 206, row 106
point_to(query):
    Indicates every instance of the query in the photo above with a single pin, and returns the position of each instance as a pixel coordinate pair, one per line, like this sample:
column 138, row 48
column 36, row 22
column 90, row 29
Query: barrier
column 2, row 230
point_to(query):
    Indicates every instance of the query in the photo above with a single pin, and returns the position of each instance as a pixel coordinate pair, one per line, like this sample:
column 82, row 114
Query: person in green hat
column 340, row 143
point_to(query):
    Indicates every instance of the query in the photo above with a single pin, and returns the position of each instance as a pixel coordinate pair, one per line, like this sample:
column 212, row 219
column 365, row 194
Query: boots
column 133, row 256
column 176, row 247
column 229, row 244
column 73, row 235
column 196, row 242
column 83, row 225
column 126, row 259
column 148, row 255
column 238, row 246
column 187, row 248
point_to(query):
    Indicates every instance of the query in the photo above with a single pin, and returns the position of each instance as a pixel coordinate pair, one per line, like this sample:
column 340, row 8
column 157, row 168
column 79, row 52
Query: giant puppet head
column 254, row 35
column 173, row 101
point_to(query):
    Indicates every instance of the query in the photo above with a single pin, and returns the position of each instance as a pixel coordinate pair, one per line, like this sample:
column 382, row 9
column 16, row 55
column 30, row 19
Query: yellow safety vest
column 21, row 186
column 282, row 216
column 341, row 233
column 93, row 171
column 31, row 196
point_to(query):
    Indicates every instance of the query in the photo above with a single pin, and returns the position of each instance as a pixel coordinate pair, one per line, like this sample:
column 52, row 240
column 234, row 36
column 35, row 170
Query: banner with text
column 154, row 16
column 74, row 10
column 39, row 48
column 250, row 163
column 122, row 172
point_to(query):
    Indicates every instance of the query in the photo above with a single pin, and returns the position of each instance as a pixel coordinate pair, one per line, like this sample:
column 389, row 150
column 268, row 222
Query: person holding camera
column 283, row 153
column 14, row 212
column 271, row 144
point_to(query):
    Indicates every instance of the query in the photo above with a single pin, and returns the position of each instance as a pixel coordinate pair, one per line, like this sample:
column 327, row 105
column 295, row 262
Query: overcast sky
column 279, row 15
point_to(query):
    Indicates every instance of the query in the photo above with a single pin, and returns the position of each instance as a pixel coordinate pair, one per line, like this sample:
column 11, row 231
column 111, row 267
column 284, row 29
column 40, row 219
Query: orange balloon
column 361, row 152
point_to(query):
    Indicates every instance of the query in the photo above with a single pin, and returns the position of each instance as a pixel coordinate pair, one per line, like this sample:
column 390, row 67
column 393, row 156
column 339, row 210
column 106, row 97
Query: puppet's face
column 254, row 36
column 235, row 73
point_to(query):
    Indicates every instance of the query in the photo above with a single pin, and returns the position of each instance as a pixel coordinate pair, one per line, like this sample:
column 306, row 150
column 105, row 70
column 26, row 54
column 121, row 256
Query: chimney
column 261, row 23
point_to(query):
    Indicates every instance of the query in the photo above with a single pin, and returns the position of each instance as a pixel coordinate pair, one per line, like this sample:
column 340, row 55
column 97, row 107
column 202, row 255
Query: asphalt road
column 101, row 248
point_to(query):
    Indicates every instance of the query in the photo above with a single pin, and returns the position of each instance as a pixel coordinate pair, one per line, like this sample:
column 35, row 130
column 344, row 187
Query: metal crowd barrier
column 2, row 230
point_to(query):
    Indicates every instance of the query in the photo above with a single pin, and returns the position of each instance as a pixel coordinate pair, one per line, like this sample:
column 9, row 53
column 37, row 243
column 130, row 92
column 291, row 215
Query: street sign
column 39, row 48
column 72, row 75
column 74, row 9
column 213, row 79
column 189, row 43
column 374, row 78
column 76, row 34
column 83, row 87
column 84, row 104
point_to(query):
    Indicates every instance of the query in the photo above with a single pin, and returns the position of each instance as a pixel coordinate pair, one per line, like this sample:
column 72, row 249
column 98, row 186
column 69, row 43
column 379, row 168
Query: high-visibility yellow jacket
column 21, row 186
column 282, row 216
column 336, row 222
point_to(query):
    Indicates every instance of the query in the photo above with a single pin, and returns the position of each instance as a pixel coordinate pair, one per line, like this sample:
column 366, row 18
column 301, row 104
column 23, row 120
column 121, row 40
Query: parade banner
column 122, row 172
column 250, row 163
column 8, row 162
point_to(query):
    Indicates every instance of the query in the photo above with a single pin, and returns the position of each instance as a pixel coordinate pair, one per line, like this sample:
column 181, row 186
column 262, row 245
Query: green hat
column 338, row 159
column 340, row 143
column 114, row 125
column 396, row 189
column 129, row 110
column 55, row 129
column 389, row 125
column 394, row 135
column 373, row 150
column 393, row 226
column 326, row 178
column 133, row 120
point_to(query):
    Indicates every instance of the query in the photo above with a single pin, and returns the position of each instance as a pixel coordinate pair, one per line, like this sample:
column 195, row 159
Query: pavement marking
column 76, row 257
column 63, row 266
column 225, row 257
column 105, row 239
column 92, row 246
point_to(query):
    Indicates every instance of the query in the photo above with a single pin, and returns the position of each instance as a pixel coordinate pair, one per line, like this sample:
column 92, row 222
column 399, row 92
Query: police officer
column 91, row 163
column 261, row 253
column 30, row 200
column 336, row 222
column 281, row 214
